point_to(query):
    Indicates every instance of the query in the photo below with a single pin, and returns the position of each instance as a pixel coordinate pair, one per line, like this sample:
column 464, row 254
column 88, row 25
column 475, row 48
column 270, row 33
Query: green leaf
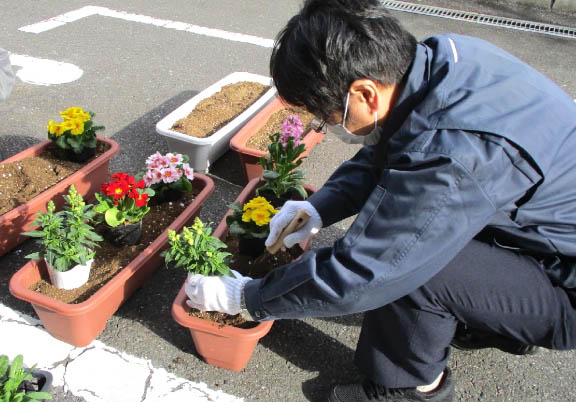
column 114, row 217
column 270, row 175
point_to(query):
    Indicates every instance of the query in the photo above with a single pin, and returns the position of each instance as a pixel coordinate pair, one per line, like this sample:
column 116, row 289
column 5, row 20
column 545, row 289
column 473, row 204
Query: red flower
column 140, row 184
column 141, row 200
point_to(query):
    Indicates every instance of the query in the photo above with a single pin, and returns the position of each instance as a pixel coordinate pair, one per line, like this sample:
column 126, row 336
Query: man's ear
column 365, row 93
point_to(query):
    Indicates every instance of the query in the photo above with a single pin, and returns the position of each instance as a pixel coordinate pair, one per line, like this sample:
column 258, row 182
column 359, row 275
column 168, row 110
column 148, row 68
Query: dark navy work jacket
column 479, row 144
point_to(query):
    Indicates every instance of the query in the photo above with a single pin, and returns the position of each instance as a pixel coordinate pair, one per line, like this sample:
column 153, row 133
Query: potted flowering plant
column 123, row 204
column 220, row 343
column 251, row 223
column 75, row 136
column 197, row 251
column 67, row 241
column 20, row 384
column 168, row 175
column 281, row 164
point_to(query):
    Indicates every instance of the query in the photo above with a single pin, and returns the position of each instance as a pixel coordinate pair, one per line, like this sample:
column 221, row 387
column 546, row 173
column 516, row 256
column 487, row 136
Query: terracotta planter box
column 79, row 324
column 224, row 346
column 249, row 156
column 87, row 181
column 204, row 151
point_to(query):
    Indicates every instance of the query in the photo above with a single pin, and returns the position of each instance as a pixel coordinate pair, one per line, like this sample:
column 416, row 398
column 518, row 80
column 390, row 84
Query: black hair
column 331, row 43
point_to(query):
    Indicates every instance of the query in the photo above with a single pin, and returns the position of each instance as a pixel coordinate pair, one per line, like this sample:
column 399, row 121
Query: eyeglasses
column 339, row 130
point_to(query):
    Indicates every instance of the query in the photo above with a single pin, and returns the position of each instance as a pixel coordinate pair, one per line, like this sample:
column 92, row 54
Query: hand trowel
column 296, row 223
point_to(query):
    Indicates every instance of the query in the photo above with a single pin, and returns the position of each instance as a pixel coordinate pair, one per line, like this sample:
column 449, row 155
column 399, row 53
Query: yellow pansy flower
column 247, row 216
column 261, row 217
column 51, row 127
column 77, row 126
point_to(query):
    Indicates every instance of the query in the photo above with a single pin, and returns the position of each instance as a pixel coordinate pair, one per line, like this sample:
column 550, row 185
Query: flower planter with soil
column 85, row 177
column 202, row 127
column 251, row 141
column 219, row 344
column 79, row 316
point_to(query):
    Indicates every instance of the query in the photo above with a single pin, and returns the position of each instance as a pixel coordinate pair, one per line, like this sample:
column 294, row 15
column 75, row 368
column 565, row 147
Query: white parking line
column 88, row 11
column 97, row 373
column 43, row 71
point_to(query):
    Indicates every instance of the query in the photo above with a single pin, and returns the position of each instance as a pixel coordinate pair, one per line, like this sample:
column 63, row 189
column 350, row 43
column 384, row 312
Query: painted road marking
column 43, row 71
column 97, row 373
column 88, row 11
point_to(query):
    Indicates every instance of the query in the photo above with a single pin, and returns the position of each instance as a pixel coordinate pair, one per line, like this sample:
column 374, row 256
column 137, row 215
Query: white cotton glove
column 283, row 218
column 216, row 293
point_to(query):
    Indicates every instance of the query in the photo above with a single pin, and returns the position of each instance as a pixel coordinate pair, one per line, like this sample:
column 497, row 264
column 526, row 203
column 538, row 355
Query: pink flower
column 174, row 159
column 292, row 128
column 156, row 175
column 153, row 159
column 188, row 171
column 170, row 175
column 148, row 178
column 163, row 162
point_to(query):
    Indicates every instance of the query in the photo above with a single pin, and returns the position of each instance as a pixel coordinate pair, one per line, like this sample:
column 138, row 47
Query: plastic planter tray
column 79, row 324
column 249, row 157
column 87, row 181
column 224, row 346
column 204, row 151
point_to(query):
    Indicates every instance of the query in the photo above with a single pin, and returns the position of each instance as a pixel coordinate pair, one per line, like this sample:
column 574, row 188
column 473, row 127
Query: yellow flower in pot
column 251, row 223
column 75, row 136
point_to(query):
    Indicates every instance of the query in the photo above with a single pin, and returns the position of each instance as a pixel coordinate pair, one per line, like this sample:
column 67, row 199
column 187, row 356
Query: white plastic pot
column 71, row 279
column 204, row 151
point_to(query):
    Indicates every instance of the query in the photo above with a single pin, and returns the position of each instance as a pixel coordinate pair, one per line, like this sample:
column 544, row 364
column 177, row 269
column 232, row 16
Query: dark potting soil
column 110, row 259
column 23, row 180
column 215, row 112
column 260, row 140
column 247, row 266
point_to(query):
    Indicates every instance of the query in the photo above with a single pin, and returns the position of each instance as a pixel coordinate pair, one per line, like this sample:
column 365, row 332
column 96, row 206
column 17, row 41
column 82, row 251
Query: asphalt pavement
column 135, row 71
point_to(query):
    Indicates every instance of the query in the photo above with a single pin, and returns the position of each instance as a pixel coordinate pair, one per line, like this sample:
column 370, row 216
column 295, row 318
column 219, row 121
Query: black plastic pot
column 277, row 202
column 42, row 383
column 251, row 247
column 78, row 157
column 168, row 195
column 124, row 235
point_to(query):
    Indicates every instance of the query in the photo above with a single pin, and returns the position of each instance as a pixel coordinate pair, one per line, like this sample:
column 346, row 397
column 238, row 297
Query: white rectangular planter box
column 204, row 151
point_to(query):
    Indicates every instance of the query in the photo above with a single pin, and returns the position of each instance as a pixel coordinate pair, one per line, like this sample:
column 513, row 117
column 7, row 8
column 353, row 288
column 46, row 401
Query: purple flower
column 292, row 128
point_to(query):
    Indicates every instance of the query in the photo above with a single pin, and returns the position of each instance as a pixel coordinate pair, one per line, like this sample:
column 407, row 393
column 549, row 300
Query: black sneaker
column 467, row 338
column 370, row 391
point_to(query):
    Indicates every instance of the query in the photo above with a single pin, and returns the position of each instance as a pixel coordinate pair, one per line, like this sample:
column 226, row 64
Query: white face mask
column 348, row 137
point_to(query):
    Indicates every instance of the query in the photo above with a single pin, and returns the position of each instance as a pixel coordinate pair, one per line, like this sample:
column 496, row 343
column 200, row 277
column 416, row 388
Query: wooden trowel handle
column 296, row 223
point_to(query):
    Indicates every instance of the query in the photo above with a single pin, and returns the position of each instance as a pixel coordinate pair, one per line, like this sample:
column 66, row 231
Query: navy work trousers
column 407, row 343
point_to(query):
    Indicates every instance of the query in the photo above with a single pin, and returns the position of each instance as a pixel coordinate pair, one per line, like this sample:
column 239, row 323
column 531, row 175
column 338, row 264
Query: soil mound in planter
column 23, row 180
column 213, row 113
column 110, row 259
column 260, row 139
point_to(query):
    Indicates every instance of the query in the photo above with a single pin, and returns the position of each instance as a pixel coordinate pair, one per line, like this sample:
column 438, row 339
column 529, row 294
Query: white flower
column 174, row 159
column 153, row 159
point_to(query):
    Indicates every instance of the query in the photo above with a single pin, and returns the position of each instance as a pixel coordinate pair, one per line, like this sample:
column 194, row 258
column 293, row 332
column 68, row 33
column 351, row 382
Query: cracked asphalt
column 135, row 74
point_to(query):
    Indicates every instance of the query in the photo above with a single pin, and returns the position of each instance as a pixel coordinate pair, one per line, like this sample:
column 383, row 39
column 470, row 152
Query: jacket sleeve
column 414, row 222
column 347, row 188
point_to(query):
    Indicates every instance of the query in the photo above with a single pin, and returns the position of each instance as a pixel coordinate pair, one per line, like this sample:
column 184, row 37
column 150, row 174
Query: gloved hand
column 216, row 293
column 283, row 218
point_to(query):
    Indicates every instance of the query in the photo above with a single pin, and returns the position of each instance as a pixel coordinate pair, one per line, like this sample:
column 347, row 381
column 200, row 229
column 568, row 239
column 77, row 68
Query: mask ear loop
column 375, row 120
column 345, row 109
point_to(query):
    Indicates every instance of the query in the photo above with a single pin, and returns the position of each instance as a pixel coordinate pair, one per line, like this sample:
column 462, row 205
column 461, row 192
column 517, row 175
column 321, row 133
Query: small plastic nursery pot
column 79, row 324
column 249, row 157
column 87, row 181
column 204, row 151
column 71, row 279
column 225, row 346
